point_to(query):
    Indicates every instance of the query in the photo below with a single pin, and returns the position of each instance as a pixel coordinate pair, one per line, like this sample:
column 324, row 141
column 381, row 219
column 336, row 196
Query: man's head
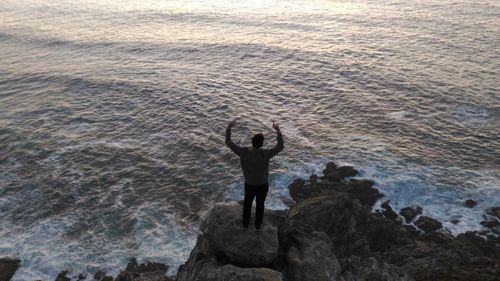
column 258, row 140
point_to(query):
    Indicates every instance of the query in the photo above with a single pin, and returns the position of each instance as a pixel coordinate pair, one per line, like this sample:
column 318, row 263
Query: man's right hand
column 276, row 127
column 231, row 124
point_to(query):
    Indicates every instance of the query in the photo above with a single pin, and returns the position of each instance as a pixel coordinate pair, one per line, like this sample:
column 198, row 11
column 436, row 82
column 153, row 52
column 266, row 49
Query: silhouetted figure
column 255, row 165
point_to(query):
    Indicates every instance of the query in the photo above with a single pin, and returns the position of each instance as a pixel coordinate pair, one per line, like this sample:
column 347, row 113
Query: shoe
column 257, row 229
column 245, row 226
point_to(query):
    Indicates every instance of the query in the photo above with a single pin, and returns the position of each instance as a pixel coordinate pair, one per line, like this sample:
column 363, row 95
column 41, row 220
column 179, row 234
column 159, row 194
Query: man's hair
column 258, row 140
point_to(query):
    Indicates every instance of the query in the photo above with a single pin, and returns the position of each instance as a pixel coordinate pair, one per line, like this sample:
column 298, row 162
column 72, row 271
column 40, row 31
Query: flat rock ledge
column 329, row 233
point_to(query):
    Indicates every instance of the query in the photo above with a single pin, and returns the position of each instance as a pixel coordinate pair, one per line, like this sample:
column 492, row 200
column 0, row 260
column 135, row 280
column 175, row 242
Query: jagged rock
column 310, row 257
column 150, row 271
column 409, row 213
column 297, row 189
column 204, row 264
column 82, row 276
column 8, row 268
column 62, row 276
column 491, row 223
column 470, row 203
column 331, row 172
column 347, row 171
column 99, row 275
column 389, row 213
column 243, row 247
column 364, row 191
column 493, row 211
column 369, row 269
column 428, row 224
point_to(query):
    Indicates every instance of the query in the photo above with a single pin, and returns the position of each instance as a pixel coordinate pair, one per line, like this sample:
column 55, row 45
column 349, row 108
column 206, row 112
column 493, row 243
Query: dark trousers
column 259, row 192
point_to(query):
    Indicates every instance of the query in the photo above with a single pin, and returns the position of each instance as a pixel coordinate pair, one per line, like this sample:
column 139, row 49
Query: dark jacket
column 255, row 161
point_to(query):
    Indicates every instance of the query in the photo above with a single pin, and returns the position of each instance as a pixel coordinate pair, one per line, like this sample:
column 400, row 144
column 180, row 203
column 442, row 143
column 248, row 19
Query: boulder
column 150, row 271
column 310, row 257
column 409, row 213
column 8, row 267
column 490, row 223
column 204, row 264
column 347, row 171
column 223, row 229
column 297, row 189
column 470, row 203
column 62, row 276
column 331, row 172
column 101, row 276
column 369, row 269
column 493, row 211
column 428, row 224
column 364, row 191
column 389, row 213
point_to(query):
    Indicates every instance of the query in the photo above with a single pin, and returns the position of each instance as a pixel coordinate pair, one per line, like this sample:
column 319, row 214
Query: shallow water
column 112, row 115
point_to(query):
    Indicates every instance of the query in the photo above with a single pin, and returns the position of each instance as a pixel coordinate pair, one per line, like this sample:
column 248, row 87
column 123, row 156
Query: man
column 255, row 165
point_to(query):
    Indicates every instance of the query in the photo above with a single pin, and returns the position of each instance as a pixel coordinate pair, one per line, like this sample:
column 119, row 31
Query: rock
column 8, row 268
column 62, row 276
column 428, row 224
column 369, row 269
column 490, row 223
column 82, row 276
column 455, row 221
column 493, row 211
column 409, row 213
column 297, row 189
column 310, row 257
column 99, row 275
column 150, row 271
column 364, row 191
column 347, row 171
column 204, row 264
column 242, row 247
column 389, row 213
column 470, row 203
column 331, row 172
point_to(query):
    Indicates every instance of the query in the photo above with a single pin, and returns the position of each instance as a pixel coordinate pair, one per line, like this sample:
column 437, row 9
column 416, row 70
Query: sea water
column 113, row 113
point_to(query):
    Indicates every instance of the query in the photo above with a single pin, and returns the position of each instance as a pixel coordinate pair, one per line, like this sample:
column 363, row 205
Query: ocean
column 113, row 113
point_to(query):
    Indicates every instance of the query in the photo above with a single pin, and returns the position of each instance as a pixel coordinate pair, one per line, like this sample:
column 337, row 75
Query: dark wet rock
column 298, row 190
column 82, row 276
column 357, row 269
column 470, row 203
column 62, row 276
column 150, row 271
column 428, row 224
column 332, row 231
column 99, row 275
column 310, row 257
column 8, row 268
column 205, row 264
column 245, row 247
column 409, row 213
column 455, row 221
column 347, row 171
column 490, row 223
column 364, row 191
column 493, row 211
column 389, row 213
column 331, row 172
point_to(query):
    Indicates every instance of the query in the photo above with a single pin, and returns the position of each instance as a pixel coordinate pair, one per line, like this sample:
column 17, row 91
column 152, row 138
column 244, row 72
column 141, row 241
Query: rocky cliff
column 330, row 233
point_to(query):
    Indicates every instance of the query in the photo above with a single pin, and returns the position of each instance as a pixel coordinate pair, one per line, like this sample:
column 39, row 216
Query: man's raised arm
column 234, row 147
column 279, row 139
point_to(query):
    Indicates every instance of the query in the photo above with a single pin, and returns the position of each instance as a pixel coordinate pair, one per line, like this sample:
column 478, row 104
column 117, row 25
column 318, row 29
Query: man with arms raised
column 255, row 165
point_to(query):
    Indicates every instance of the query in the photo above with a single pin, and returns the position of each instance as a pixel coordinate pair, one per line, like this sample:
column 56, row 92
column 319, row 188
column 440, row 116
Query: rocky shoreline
column 330, row 233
